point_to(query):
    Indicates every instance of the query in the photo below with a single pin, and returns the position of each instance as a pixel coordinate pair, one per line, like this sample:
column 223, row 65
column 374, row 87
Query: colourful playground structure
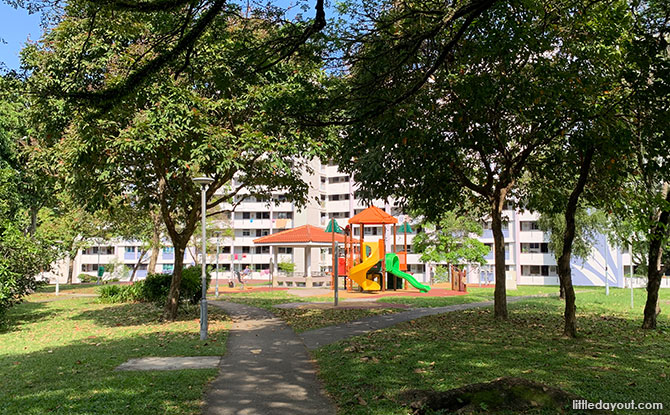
column 367, row 264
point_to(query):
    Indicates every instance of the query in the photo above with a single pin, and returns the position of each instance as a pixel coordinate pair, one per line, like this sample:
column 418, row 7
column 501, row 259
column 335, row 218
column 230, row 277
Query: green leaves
column 452, row 239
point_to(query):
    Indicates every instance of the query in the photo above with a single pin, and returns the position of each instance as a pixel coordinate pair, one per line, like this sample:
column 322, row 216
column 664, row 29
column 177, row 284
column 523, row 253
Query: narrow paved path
column 266, row 369
column 314, row 339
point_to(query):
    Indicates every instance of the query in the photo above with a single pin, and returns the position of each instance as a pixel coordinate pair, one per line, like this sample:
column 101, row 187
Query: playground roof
column 302, row 235
column 373, row 216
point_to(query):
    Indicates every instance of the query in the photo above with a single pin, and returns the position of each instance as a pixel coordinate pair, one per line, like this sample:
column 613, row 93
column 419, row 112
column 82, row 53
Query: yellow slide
column 358, row 272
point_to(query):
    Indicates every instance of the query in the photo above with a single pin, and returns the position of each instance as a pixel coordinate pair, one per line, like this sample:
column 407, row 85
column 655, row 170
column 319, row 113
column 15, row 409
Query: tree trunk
column 172, row 304
column 70, row 271
column 155, row 242
column 33, row 221
column 137, row 265
column 500, row 293
column 564, row 272
column 657, row 237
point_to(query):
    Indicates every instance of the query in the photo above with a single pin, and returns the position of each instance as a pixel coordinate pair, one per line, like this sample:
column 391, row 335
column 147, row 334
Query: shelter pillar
column 275, row 267
column 308, row 267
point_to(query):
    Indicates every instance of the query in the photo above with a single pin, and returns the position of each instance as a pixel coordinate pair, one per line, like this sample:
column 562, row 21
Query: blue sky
column 16, row 25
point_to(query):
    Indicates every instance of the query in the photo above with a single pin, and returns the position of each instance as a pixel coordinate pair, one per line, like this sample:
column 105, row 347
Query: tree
column 23, row 254
column 644, row 203
column 589, row 223
column 71, row 228
column 221, row 118
column 451, row 240
column 169, row 46
column 128, row 221
column 490, row 108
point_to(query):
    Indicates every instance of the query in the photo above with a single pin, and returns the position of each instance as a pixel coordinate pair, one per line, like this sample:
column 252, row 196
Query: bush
column 191, row 284
column 156, row 287
column 86, row 278
column 287, row 267
column 22, row 257
column 122, row 293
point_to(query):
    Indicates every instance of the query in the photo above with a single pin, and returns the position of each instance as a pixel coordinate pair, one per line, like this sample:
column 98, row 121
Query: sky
column 16, row 26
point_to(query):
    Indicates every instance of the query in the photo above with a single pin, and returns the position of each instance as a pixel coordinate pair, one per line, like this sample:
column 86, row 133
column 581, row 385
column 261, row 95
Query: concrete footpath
column 314, row 339
column 266, row 369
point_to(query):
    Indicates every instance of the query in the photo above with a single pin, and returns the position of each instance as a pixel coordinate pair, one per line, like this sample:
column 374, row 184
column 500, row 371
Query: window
column 339, row 197
column 262, row 249
column 167, row 268
column 225, row 249
column 246, row 215
column 168, row 250
column 262, row 215
column 282, row 250
column 130, row 249
column 262, row 232
column 284, row 215
column 246, row 232
column 338, row 179
column 488, row 225
column 527, row 225
column 539, row 270
column 245, row 249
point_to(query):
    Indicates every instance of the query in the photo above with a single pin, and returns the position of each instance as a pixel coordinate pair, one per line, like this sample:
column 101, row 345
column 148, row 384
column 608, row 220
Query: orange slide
column 358, row 272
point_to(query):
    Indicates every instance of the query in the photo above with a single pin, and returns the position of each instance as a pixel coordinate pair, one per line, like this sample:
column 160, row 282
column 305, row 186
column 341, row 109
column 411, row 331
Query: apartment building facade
column 332, row 195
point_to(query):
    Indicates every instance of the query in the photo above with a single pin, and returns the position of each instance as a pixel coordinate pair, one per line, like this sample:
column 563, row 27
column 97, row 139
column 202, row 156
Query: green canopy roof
column 333, row 226
column 405, row 228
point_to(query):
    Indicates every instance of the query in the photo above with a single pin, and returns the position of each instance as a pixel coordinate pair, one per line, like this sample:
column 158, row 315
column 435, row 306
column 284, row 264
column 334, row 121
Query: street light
column 203, row 182
column 217, row 234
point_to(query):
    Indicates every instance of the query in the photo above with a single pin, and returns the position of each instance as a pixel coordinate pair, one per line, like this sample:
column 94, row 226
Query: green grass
column 59, row 357
column 474, row 295
column 303, row 319
column 613, row 359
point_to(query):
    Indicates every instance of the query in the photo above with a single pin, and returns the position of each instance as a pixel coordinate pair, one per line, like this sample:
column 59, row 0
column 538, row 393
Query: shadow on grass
column 133, row 314
column 26, row 313
column 80, row 378
column 613, row 360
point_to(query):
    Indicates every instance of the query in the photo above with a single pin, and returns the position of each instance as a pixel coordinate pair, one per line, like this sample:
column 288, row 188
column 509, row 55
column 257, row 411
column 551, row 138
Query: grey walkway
column 171, row 363
column 266, row 369
column 314, row 339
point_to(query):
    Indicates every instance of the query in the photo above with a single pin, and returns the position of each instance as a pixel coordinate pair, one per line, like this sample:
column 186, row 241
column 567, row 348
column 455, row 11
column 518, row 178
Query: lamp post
column 218, row 234
column 203, row 182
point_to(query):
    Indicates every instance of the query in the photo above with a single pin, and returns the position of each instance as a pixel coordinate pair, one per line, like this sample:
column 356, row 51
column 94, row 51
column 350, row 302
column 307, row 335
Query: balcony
column 533, row 236
column 543, row 258
column 488, row 233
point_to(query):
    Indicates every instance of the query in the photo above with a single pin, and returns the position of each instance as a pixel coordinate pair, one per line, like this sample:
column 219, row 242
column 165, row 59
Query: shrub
column 121, row 293
column 86, row 278
column 287, row 267
column 191, row 284
column 110, row 293
column 21, row 259
column 155, row 287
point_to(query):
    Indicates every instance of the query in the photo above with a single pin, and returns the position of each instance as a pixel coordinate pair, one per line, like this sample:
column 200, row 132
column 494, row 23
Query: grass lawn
column 613, row 359
column 474, row 295
column 303, row 319
column 59, row 357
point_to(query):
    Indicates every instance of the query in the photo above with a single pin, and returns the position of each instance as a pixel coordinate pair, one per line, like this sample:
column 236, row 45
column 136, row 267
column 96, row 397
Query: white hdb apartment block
column 333, row 195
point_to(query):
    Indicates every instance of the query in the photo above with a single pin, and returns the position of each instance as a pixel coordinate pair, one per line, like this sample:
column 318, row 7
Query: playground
column 360, row 269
